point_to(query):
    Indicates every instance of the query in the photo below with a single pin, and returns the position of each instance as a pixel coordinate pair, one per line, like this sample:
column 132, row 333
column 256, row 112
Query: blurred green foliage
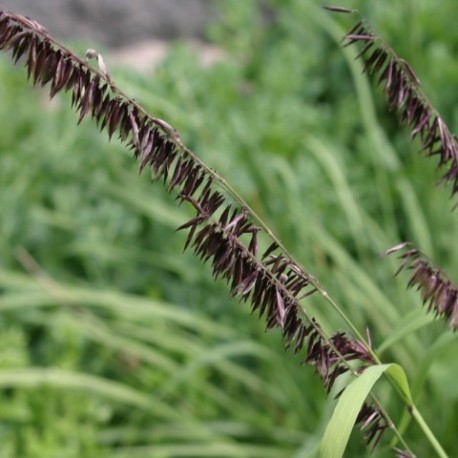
column 114, row 343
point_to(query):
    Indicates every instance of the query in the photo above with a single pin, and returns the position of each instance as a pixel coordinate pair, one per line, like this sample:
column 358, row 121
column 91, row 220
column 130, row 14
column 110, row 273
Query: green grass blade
column 35, row 377
column 339, row 428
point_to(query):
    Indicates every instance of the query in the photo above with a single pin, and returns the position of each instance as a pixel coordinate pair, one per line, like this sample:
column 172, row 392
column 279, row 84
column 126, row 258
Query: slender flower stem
column 428, row 433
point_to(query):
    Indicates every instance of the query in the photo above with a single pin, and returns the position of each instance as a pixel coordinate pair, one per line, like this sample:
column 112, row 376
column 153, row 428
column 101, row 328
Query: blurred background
column 113, row 343
column 117, row 22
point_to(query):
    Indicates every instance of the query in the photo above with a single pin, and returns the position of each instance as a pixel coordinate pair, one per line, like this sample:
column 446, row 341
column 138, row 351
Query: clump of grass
column 224, row 230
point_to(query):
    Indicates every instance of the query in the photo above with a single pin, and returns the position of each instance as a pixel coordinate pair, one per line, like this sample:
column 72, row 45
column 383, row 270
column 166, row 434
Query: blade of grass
column 350, row 402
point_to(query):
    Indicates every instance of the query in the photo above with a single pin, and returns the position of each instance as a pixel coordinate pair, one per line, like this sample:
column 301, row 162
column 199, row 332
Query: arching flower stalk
column 224, row 231
column 437, row 291
column 405, row 95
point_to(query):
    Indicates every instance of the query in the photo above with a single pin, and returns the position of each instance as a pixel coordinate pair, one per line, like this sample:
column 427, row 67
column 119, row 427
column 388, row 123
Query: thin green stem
column 428, row 433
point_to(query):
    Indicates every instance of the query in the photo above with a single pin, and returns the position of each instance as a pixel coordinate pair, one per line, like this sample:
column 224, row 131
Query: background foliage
column 114, row 343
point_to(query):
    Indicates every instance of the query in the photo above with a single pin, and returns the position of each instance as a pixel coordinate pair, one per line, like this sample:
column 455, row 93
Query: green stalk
column 428, row 433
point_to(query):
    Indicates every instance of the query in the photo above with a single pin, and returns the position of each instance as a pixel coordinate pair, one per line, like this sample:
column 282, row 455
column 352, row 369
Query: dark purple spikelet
column 404, row 95
column 403, row 453
column 372, row 423
column 328, row 360
column 438, row 293
column 220, row 233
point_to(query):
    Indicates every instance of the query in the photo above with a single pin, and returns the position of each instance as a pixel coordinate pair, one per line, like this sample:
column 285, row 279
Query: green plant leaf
column 340, row 425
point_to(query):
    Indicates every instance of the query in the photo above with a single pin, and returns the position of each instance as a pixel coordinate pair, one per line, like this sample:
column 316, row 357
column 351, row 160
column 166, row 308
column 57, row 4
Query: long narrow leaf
column 337, row 434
